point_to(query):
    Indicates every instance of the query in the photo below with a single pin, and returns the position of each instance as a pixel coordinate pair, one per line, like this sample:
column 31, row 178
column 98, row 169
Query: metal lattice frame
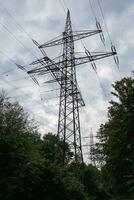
column 63, row 71
column 69, row 122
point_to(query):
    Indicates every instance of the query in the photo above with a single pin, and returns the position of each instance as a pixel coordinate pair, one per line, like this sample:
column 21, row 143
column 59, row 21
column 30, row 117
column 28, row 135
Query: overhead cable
column 14, row 36
column 101, row 10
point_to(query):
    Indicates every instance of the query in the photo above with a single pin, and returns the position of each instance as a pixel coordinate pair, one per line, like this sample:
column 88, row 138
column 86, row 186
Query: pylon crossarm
column 56, row 40
column 38, row 61
column 42, row 69
column 43, row 61
column 53, row 69
column 77, row 35
column 92, row 56
column 81, row 35
column 48, row 66
column 57, row 74
column 85, row 58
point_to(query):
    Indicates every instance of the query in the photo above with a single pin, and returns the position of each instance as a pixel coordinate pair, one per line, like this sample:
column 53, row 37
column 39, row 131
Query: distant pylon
column 92, row 144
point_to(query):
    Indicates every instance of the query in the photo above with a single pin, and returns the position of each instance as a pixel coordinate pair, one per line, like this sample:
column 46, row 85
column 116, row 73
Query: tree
column 30, row 167
column 52, row 148
column 19, row 146
column 117, row 139
column 91, row 178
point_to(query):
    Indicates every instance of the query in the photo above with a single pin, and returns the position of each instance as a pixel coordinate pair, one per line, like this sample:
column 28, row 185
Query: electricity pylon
column 63, row 71
column 91, row 147
column 90, row 143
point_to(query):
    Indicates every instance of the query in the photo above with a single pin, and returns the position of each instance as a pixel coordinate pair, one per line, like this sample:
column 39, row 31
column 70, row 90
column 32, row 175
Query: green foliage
column 52, row 149
column 91, row 179
column 19, row 147
column 31, row 167
column 116, row 145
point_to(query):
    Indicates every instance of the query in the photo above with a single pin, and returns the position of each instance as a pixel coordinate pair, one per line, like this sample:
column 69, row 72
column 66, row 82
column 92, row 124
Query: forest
column 31, row 166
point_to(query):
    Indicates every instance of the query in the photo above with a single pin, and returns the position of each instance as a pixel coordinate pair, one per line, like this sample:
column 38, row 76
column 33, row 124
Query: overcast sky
column 45, row 19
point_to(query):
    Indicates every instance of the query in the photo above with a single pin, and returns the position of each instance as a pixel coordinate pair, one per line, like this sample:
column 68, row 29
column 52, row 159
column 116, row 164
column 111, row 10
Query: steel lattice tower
column 63, row 71
column 69, row 122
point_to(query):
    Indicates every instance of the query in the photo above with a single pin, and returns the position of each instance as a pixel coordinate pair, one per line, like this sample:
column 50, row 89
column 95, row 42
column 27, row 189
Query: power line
column 5, row 27
column 19, row 79
column 16, row 22
column 38, row 102
column 101, row 85
column 23, row 95
column 92, row 9
column 20, row 26
column 11, row 60
column 31, row 86
column 14, row 36
column 103, row 90
column 65, row 5
column 62, row 5
column 28, row 101
column 37, row 114
column 41, row 98
column 106, row 27
column 102, row 13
